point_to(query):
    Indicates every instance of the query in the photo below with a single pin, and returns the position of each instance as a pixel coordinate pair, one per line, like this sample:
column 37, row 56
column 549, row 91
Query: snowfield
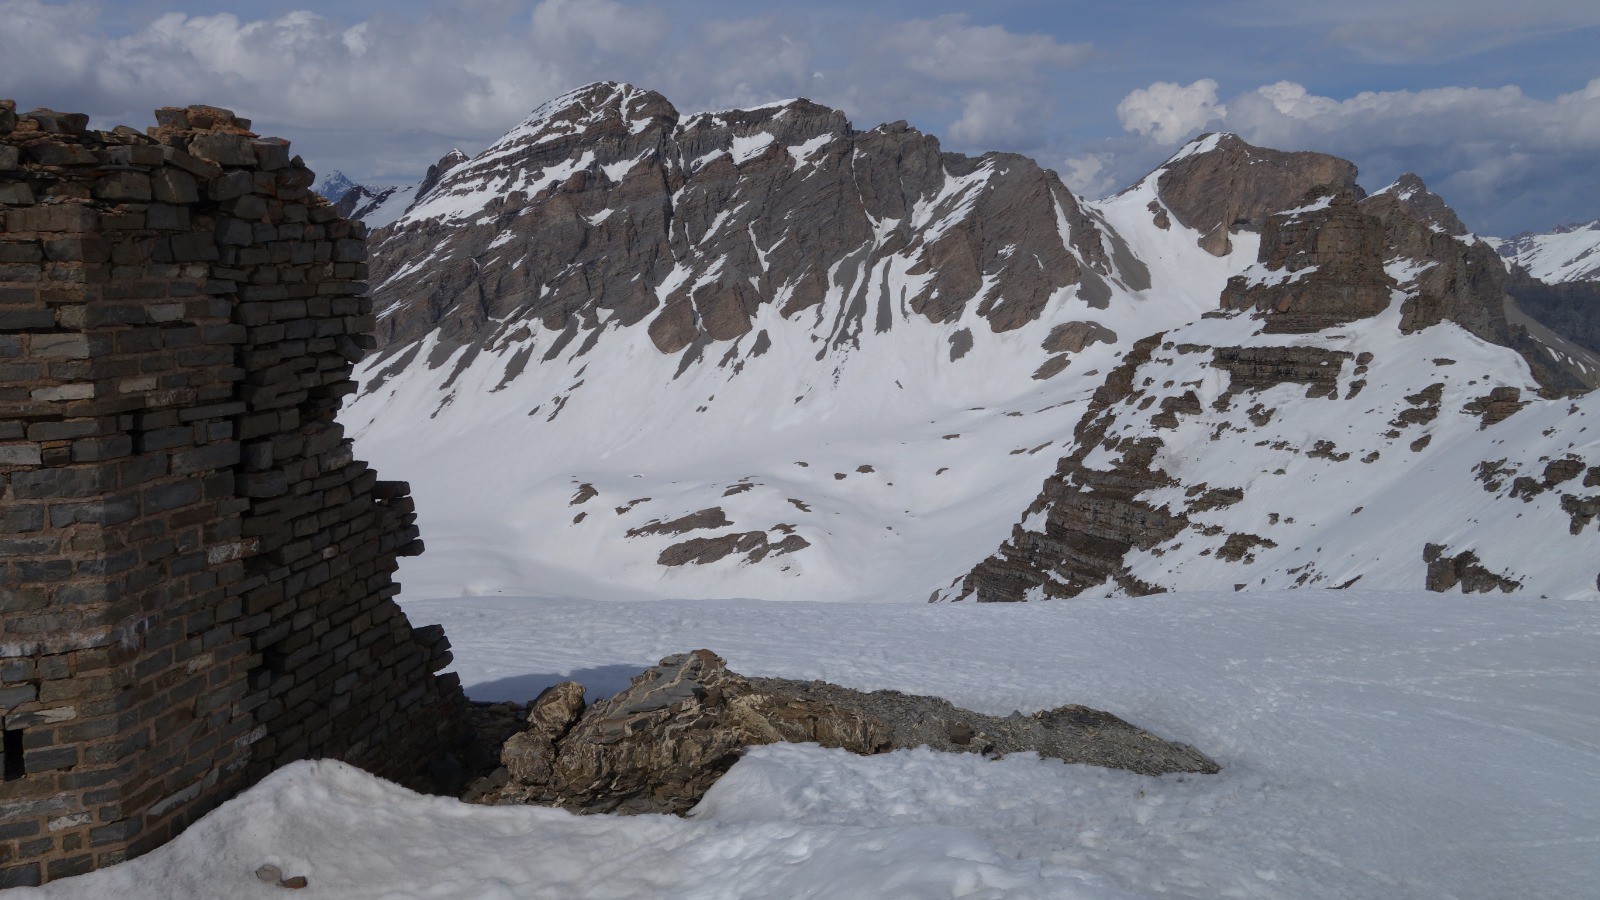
column 1373, row 744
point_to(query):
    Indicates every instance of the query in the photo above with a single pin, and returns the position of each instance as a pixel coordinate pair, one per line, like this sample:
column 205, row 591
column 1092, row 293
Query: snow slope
column 1568, row 253
column 1354, row 486
column 1374, row 745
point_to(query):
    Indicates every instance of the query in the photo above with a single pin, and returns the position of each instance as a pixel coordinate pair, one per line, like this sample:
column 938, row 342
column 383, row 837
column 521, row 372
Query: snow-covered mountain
column 627, row 353
column 334, row 186
column 1567, row 253
column 1352, row 415
column 379, row 206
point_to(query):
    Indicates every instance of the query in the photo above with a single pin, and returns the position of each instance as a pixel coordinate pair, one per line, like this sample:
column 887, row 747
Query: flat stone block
column 226, row 149
column 20, row 455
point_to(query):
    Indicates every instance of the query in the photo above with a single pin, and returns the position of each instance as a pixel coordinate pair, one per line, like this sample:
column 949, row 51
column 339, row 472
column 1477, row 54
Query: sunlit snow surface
column 1373, row 744
column 1570, row 253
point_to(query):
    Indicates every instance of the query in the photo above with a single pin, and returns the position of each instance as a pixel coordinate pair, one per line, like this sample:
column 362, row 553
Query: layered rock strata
column 1321, row 264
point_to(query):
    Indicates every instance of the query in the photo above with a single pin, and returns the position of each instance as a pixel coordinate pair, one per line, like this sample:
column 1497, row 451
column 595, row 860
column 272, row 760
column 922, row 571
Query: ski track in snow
column 1373, row 744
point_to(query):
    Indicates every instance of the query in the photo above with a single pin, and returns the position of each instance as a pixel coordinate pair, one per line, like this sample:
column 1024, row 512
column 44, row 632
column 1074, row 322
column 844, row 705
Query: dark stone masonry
column 195, row 573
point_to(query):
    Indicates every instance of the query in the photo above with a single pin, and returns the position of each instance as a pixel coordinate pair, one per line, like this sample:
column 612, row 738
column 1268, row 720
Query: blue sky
column 1495, row 104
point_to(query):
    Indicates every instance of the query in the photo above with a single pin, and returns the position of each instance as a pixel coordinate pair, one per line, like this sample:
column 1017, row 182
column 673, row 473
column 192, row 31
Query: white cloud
column 949, row 49
column 402, row 86
column 744, row 62
column 604, row 25
column 991, row 117
column 1166, row 111
column 1287, row 112
column 405, row 89
column 1089, row 175
column 992, row 82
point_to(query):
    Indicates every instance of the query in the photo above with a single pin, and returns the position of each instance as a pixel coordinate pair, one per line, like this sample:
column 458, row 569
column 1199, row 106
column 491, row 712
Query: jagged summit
column 334, row 185
column 603, row 105
column 1423, row 204
column 602, row 208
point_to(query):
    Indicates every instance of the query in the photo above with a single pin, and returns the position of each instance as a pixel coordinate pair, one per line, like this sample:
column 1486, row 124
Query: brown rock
column 661, row 743
column 1238, row 185
column 1445, row 572
column 1072, row 337
column 1317, row 267
column 1092, row 517
column 1462, row 282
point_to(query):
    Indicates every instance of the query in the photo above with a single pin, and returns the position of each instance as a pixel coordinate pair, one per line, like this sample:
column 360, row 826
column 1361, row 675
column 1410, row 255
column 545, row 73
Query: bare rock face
column 1320, row 264
column 661, row 743
column 1258, row 368
column 606, row 208
column 1458, row 280
column 1232, row 184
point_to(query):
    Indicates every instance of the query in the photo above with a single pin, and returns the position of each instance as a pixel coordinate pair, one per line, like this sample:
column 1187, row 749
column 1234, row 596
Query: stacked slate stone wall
column 195, row 573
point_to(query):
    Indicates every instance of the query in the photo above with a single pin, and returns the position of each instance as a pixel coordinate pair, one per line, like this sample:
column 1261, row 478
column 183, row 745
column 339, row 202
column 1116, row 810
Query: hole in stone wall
column 12, row 746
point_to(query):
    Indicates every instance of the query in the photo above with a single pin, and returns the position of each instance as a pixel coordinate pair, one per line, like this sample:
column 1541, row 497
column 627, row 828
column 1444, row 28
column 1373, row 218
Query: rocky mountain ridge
column 604, row 209
column 1321, row 408
column 761, row 353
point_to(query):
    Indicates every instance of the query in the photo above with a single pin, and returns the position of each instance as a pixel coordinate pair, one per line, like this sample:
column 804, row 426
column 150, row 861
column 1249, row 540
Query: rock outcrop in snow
column 660, row 744
column 1219, row 184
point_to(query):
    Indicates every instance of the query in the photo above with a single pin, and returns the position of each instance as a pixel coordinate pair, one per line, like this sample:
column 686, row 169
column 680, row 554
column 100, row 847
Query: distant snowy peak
column 352, row 200
column 381, row 208
column 334, row 186
column 1567, row 253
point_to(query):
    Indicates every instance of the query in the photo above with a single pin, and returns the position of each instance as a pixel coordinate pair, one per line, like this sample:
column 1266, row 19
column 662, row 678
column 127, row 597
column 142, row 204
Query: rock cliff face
column 606, row 208
column 1450, row 276
column 1570, row 309
column 1320, row 265
column 1221, row 184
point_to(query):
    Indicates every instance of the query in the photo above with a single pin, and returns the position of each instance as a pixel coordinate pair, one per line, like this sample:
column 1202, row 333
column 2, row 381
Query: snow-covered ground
column 1373, row 744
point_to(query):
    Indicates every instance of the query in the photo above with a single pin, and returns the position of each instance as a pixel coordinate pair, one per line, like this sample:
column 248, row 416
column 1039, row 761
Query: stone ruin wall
column 195, row 573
